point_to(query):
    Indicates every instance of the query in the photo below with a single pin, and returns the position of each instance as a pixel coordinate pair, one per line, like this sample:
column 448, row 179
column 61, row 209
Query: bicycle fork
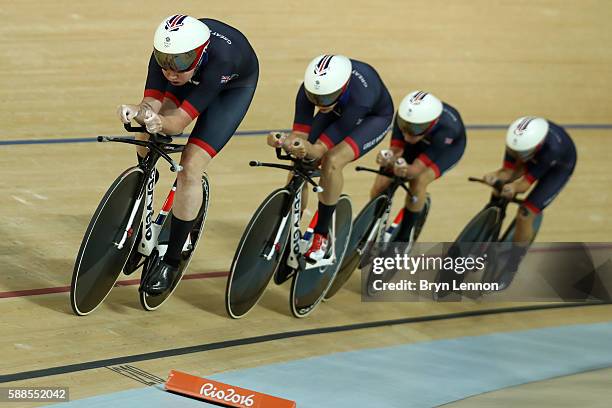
column 151, row 229
column 298, row 244
column 148, row 196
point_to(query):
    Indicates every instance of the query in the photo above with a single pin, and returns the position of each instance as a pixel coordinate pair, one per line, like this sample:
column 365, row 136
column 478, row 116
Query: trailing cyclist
column 428, row 139
column 342, row 111
column 540, row 156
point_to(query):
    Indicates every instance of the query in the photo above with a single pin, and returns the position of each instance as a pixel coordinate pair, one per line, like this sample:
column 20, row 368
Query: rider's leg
column 524, row 226
column 213, row 129
column 414, row 205
column 332, row 182
column 441, row 161
column 544, row 192
column 523, row 235
column 319, row 123
column 187, row 199
column 343, row 150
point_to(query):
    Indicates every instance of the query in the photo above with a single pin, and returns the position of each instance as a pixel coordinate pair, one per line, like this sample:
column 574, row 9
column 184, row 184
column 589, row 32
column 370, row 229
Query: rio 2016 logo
column 228, row 396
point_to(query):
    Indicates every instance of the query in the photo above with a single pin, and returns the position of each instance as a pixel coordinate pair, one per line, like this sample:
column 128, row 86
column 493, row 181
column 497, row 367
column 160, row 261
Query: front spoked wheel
column 362, row 227
column 149, row 302
column 309, row 286
column 100, row 261
column 258, row 254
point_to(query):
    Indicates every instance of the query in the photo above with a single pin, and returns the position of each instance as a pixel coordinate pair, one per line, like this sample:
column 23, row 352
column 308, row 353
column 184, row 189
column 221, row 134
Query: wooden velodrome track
column 67, row 65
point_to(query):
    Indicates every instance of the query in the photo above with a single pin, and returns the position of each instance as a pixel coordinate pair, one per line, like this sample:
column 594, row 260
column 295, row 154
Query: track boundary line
column 90, row 365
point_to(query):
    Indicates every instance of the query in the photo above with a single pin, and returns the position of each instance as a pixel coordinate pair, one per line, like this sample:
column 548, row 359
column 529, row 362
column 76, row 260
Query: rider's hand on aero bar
column 400, row 168
column 385, row 158
column 296, row 148
column 276, row 139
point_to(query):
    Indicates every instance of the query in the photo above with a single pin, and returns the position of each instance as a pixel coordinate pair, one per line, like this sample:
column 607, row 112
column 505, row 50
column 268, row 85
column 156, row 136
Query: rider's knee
column 191, row 172
column 332, row 163
column 419, row 184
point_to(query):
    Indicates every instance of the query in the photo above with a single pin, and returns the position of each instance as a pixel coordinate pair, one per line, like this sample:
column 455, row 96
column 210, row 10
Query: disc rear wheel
column 149, row 302
column 362, row 227
column 309, row 286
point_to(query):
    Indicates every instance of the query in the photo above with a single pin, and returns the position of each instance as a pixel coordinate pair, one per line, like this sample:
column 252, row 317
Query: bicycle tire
column 362, row 226
column 250, row 273
column 151, row 303
column 310, row 286
column 99, row 263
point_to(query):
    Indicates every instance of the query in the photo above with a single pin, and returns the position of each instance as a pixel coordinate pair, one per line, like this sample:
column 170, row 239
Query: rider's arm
column 302, row 125
column 417, row 167
column 397, row 151
column 398, row 143
column 155, row 86
column 505, row 175
column 153, row 94
column 197, row 101
column 511, row 170
column 174, row 121
column 521, row 184
column 147, row 103
column 536, row 170
column 533, row 172
column 340, row 130
column 439, row 142
column 314, row 151
column 303, row 116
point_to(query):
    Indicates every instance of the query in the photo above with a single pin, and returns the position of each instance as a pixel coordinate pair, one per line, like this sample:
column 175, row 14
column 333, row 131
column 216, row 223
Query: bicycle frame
column 498, row 202
column 382, row 231
column 159, row 146
column 298, row 242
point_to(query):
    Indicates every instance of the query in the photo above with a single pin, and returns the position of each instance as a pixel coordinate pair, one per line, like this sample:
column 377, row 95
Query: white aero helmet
column 418, row 112
column 326, row 78
column 525, row 136
column 180, row 42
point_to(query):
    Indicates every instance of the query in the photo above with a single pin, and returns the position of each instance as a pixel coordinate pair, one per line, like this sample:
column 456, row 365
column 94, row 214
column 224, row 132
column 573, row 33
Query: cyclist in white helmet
column 202, row 70
column 428, row 140
column 541, row 153
column 342, row 111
